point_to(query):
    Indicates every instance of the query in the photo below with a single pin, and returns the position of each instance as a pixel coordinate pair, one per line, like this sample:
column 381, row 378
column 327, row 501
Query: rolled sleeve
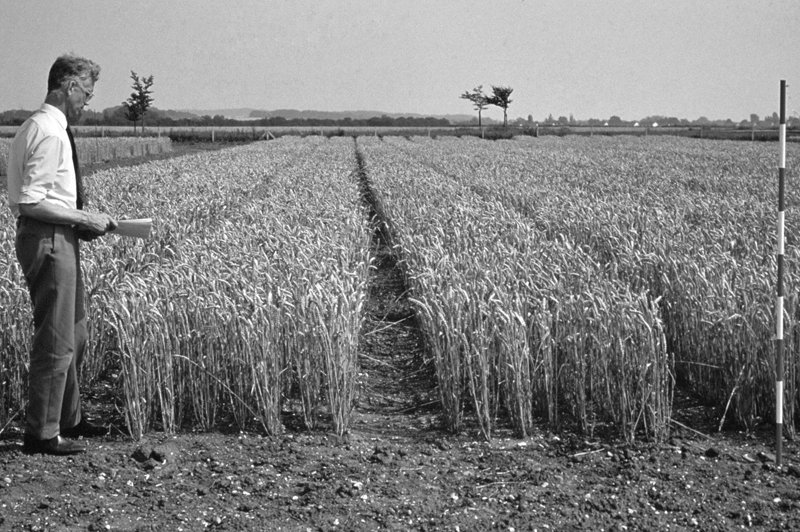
column 40, row 169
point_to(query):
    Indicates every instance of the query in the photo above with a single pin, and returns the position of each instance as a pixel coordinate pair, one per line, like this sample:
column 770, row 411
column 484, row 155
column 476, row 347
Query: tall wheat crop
column 246, row 299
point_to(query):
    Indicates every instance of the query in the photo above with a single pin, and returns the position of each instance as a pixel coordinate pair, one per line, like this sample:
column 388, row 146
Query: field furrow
column 519, row 325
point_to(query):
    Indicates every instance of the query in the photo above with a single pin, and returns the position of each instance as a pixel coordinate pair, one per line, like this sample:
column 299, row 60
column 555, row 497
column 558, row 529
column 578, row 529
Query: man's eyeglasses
column 87, row 95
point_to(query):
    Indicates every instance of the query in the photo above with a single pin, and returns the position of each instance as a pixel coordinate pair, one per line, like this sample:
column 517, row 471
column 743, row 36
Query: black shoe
column 85, row 429
column 57, row 446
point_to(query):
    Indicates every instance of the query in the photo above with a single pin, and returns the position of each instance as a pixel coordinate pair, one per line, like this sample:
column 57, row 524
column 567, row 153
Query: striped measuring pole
column 779, row 309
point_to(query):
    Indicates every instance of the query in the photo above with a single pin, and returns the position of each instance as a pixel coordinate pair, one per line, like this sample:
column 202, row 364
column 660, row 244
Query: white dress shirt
column 40, row 162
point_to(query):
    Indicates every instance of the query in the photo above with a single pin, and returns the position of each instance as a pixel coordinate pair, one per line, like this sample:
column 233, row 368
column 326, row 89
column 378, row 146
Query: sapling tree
column 141, row 98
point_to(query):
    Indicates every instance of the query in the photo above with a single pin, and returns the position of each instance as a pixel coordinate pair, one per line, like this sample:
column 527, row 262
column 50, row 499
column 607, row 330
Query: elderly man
column 45, row 194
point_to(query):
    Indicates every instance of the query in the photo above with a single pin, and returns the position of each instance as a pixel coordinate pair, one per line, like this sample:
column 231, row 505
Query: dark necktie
column 78, row 180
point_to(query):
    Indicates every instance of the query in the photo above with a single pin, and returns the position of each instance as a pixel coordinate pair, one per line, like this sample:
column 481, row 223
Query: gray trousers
column 50, row 259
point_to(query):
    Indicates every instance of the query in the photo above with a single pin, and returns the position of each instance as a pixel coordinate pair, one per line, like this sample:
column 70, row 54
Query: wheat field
column 566, row 280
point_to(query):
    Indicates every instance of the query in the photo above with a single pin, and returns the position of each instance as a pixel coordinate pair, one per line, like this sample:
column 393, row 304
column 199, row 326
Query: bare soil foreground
column 396, row 470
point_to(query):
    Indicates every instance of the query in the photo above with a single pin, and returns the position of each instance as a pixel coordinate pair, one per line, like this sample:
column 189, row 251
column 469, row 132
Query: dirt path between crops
column 398, row 385
column 396, row 470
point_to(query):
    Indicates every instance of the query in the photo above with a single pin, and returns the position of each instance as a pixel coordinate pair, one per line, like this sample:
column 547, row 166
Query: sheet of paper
column 137, row 228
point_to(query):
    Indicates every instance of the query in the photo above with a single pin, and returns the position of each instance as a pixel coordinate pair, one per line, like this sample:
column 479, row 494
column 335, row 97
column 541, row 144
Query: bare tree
column 479, row 100
column 501, row 98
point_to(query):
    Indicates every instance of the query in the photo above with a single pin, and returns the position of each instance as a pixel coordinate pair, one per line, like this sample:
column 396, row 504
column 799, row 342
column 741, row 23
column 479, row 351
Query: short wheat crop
column 100, row 150
column 668, row 235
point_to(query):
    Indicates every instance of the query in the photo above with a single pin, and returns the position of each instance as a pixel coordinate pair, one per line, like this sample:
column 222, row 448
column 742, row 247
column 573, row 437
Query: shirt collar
column 56, row 113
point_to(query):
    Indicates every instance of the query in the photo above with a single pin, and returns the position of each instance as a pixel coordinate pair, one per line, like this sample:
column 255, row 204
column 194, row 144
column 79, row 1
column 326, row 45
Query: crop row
column 690, row 223
column 245, row 301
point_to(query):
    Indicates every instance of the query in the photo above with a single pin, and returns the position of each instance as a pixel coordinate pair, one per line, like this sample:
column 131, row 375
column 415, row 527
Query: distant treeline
column 115, row 117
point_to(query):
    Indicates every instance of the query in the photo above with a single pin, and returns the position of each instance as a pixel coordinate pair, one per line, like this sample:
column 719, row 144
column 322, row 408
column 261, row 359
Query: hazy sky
column 591, row 59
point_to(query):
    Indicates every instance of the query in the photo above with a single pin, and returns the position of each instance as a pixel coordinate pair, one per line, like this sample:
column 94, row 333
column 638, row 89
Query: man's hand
column 96, row 223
